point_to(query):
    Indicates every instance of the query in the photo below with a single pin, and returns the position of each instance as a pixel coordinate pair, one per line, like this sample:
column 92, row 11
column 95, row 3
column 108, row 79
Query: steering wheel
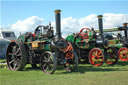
column 84, row 33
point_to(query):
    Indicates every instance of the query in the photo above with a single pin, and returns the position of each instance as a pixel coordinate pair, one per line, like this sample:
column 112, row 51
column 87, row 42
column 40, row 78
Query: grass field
column 85, row 75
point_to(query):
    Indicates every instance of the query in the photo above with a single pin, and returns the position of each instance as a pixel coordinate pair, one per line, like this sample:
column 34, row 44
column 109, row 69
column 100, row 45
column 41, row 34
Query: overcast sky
column 25, row 15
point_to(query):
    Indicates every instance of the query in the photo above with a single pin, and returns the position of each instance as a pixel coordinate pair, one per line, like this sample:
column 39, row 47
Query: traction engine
column 44, row 48
column 93, row 48
column 123, row 52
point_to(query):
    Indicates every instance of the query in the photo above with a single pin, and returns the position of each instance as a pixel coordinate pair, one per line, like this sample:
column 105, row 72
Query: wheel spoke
column 15, row 65
column 44, row 65
column 17, row 51
column 45, row 57
column 19, row 54
column 11, row 61
column 47, row 68
column 10, row 53
column 93, row 57
column 51, row 67
column 18, row 60
column 45, row 61
column 97, row 60
column 49, row 59
column 96, row 53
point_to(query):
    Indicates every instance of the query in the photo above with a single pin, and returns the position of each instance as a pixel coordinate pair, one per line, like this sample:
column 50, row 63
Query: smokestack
column 125, row 29
column 58, row 24
column 100, row 22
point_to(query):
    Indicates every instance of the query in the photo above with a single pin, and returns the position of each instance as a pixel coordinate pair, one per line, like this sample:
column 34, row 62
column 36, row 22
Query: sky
column 27, row 14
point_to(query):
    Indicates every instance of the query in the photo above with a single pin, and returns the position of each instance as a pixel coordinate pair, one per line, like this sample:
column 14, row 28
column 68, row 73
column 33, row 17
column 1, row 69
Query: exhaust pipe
column 100, row 23
column 58, row 42
column 58, row 24
column 101, row 42
column 125, row 29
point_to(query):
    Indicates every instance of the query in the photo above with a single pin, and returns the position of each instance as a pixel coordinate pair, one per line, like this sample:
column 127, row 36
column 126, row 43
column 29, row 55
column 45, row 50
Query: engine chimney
column 125, row 29
column 100, row 22
column 58, row 24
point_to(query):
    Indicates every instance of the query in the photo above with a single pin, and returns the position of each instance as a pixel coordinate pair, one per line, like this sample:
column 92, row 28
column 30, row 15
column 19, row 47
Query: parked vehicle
column 6, row 36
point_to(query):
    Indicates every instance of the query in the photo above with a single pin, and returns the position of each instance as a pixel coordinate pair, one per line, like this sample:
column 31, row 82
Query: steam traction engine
column 93, row 48
column 120, row 42
column 123, row 52
column 42, row 48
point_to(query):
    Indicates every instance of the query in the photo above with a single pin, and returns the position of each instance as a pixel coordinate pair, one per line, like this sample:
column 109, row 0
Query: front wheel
column 48, row 62
column 123, row 54
column 112, row 55
column 72, row 61
column 96, row 57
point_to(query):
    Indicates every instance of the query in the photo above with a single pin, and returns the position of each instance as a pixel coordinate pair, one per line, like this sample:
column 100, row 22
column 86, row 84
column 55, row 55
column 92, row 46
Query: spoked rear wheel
column 96, row 57
column 72, row 61
column 123, row 54
column 48, row 62
column 112, row 55
column 16, row 56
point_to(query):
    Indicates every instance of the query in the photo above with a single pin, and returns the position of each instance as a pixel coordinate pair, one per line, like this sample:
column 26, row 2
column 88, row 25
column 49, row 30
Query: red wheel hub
column 123, row 54
column 96, row 57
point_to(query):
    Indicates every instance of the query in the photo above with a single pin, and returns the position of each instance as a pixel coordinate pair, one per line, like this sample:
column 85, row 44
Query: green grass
column 85, row 75
column 2, row 60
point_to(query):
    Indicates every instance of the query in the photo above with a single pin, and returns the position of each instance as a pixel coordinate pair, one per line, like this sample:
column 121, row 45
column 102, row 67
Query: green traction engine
column 42, row 47
column 93, row 47
column 120, row 41
column 123, row 52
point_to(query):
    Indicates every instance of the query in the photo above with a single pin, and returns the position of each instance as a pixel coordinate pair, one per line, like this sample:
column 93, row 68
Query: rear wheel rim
column 96, row 57
column 123, row 54
column 112, row 55
column 14, row 57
